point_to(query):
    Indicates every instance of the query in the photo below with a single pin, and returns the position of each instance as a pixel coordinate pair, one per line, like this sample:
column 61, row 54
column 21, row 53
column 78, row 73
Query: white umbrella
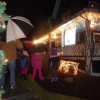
column 17, row 28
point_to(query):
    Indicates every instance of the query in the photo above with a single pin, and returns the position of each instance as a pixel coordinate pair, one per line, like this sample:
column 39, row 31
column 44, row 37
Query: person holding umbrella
column 11, row 55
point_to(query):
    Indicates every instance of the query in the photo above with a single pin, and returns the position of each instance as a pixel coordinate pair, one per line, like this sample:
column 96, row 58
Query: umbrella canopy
column 39, row 48
column 32, row 48
column 27, row 44
column 17, row 27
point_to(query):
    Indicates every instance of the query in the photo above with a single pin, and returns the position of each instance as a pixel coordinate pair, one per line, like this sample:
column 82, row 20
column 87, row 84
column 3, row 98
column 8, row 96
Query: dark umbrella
column 24, row 24
column 39, row 48
column 27, row 45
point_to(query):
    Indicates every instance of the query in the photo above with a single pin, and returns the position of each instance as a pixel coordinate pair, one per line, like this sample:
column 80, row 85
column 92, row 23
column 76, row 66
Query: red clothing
column 24, row 71
column 36, row 60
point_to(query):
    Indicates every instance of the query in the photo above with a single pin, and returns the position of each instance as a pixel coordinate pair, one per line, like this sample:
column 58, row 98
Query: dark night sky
column 35, row 10
column 38, row 11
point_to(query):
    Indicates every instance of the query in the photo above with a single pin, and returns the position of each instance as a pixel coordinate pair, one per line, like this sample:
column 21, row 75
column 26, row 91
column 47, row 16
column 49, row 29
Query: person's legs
column 24, row 72
column 2, row 80
column 55, row 70
column 52, row 79
column 55, row 75
column 40, row 73
column 34, row 73
column 12, row 66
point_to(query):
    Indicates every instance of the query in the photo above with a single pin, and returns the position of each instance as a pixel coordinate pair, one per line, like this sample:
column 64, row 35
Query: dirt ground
column 81, row 85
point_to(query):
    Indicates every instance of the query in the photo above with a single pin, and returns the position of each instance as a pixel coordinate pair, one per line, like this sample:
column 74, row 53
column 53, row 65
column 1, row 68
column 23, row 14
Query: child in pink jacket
column 36, row 60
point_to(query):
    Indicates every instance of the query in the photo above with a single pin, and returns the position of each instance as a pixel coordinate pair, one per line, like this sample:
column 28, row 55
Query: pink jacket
column 36, row 59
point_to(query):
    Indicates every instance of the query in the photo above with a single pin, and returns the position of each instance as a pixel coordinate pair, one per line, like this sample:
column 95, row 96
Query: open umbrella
column 17, row 27
column 32, row 48
column 39, row 48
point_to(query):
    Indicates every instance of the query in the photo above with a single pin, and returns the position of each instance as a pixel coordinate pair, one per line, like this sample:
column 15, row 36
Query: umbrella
column 27, row 45
column 39, row 48
column 43, row 47
column 17, row 27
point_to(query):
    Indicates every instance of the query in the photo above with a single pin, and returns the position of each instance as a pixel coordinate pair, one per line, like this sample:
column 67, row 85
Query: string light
column 66, row 65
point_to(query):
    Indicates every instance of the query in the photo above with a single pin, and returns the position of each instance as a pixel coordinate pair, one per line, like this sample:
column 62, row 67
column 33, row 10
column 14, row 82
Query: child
column 36, row 60
column 54, row 63
column 24, row 64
